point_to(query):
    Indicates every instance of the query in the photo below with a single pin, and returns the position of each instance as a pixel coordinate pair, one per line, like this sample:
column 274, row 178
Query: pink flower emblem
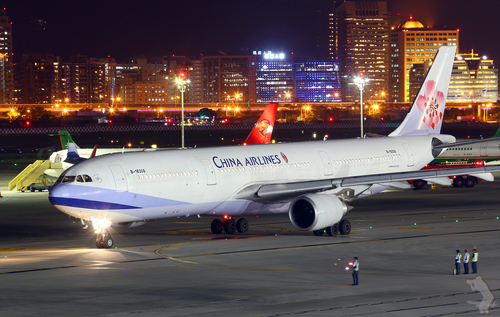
column 429, row 104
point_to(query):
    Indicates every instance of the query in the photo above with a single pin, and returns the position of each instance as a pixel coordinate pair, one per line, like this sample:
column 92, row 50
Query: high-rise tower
column 359, row 40
column 6, row 63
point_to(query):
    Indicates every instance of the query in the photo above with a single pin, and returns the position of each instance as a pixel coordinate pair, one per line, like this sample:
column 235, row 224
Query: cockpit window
column 79, row 179
column 68, row 179
column 87, row 178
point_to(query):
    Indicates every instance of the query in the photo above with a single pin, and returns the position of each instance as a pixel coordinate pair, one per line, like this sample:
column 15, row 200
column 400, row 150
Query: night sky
column 123, row 29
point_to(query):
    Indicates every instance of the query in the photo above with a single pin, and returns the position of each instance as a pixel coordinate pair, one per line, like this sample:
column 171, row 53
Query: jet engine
column 316, row 211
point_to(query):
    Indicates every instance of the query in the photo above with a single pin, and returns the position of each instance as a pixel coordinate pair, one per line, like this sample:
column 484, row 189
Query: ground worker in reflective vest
column 355, row 271
column 466, row 261
column 474, row 260
column 458, row 259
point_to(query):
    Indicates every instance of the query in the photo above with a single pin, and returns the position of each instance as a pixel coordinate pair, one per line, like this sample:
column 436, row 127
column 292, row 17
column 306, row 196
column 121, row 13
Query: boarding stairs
column 33, row 175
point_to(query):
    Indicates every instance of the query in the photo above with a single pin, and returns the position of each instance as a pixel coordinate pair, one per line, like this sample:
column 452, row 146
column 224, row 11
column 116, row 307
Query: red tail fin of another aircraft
column 263, row 129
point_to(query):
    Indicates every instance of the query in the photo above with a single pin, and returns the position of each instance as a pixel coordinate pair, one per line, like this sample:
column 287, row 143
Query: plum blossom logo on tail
column 429, row 104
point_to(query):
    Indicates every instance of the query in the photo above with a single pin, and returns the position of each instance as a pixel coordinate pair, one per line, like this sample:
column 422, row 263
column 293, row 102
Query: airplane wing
column 281, row 191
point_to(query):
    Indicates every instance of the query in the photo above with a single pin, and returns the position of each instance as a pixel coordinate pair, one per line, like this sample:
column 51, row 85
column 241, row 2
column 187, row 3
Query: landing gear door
column 209, row 171
column 120, row 180
column 326, row 163
column 409, row 153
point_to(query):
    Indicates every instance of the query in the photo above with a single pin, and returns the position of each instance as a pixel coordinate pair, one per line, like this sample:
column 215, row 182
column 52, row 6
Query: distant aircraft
column 311, row 181
column 464, row 154
column 71, row 153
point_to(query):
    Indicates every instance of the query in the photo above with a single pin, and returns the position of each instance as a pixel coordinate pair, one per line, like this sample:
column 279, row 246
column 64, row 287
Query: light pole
column 181, row 84
column 361, row 82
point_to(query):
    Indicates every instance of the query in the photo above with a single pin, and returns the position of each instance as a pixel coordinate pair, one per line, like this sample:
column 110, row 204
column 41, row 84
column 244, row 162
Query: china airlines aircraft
column 311, row 181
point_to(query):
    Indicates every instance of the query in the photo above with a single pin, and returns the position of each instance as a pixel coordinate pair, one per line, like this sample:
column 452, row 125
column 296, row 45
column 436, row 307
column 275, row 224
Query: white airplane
column 311, row 181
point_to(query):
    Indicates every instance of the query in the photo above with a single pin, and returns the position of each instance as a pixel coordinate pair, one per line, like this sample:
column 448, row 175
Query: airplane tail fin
column 497, row 134
column 65, row 139
column 263, row 129
column 427, row 111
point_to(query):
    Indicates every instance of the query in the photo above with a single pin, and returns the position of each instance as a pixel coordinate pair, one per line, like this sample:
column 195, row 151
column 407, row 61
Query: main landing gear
column 229, row 226
column 344, row 227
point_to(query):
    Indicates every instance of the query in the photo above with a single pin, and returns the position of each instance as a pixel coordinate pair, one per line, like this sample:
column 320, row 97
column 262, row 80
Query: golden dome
column 411, row 24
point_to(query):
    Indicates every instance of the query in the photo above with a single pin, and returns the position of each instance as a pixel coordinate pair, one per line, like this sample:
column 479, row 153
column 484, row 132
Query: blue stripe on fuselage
column 88, row 204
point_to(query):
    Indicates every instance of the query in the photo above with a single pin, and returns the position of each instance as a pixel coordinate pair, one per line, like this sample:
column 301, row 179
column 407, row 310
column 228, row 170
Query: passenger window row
column 166, row 175
column 262, row 168
column 371, row 159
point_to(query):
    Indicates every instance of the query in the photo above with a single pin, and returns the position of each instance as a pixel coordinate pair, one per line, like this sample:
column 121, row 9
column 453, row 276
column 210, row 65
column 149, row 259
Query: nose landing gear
column 104, row 239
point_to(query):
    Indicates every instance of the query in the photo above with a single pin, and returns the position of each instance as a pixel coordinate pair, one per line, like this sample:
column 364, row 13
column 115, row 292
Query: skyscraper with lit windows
column 474, row 79
column 412, row 43
column 6, row 62
column 359, row 40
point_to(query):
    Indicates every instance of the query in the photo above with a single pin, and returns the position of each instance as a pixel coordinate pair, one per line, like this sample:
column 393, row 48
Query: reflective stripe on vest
column 466, row 258
column 355, row 266
column 458, row 257
column 474, row 258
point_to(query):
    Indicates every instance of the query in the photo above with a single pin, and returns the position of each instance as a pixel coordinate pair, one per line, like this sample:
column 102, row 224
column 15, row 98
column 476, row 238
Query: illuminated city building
column 359, row 40
column 474, row 79
column 225, row 77
column 102, row 80
column 274, row 78
column 36, row 79
column 150, row 93
column 6, row 62
column 412, row 43
column 317, row 80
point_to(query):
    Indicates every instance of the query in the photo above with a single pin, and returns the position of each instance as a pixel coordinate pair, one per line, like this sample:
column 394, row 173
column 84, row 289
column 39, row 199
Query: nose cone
column 58, row 195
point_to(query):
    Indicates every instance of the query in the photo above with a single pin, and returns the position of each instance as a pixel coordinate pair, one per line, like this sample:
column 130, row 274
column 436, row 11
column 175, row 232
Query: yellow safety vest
column 474, row 258
column 459, row 257
column 355, row 266
column 466, row 257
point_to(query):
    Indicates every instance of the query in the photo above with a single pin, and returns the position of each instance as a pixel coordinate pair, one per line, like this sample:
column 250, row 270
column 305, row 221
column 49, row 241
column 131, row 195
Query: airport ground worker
column 466, row 261
column 475, row 255
column 458, row 260
column 355, row 271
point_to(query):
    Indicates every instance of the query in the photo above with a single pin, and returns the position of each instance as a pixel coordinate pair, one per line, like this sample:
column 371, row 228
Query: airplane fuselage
column 216, row 181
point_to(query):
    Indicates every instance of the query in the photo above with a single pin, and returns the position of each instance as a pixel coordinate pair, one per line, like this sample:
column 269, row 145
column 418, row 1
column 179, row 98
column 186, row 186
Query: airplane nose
column 57, row 193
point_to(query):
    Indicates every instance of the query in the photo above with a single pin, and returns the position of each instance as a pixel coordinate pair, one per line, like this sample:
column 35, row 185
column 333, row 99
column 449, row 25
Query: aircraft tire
column 229, row 226
column 458, row 182
column 333, row 230
column 419, row 183
column 217, row 226
column 242, row 225
column 345, row 227
column 108, row 242
column 318, row 233
column 470, row 182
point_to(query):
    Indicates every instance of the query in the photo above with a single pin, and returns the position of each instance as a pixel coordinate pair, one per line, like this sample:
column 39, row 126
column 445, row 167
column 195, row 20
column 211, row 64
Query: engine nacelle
column 316, row 211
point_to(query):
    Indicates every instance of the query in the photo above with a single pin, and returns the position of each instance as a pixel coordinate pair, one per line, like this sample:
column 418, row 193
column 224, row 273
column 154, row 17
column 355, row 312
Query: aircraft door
column 484, row 148
column 327, row 164
column 409, row 153
column 209, row 171
column 120, row 180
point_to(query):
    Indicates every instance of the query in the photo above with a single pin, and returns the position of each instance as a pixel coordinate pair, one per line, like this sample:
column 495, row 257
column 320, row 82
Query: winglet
column 427, row 111
column 263, row 129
